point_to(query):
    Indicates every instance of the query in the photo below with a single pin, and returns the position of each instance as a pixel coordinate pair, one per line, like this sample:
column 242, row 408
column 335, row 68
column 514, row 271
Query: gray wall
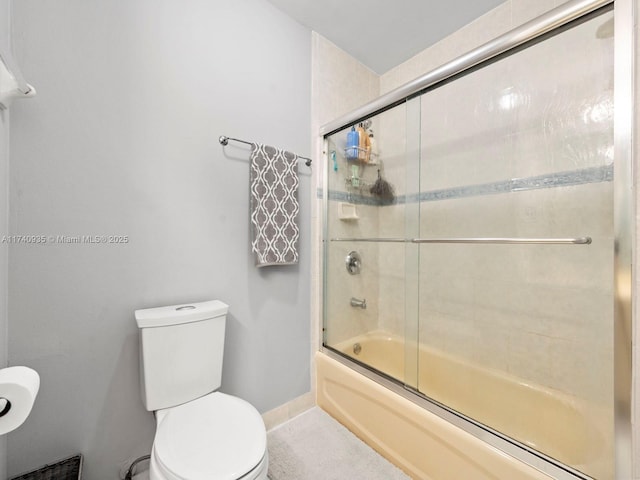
column 122, row 140
column 4, row 222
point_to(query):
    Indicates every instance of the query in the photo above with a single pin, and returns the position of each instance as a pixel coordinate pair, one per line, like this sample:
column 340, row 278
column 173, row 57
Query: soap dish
column 347, row 211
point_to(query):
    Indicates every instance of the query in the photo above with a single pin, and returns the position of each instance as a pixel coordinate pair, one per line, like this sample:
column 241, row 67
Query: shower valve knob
column 353, row 262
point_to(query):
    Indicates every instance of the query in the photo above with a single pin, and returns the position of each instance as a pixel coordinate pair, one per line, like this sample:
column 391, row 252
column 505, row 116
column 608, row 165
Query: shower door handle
column 509, row 241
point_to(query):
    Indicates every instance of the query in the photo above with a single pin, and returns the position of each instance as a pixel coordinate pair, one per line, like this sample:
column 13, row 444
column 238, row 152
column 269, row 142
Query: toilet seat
column 217, row 436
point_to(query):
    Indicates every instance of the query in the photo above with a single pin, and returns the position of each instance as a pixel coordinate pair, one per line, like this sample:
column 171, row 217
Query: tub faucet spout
column 356, row 302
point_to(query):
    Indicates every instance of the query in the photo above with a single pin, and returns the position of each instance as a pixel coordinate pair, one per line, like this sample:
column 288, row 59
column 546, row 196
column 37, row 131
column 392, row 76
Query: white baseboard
column 287, row 411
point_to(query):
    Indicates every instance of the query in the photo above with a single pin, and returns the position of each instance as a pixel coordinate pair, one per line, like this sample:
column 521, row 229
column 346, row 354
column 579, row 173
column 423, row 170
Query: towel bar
column 224, row 140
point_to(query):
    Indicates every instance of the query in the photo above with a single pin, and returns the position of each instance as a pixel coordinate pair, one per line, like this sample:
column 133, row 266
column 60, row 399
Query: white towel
column 274, row 205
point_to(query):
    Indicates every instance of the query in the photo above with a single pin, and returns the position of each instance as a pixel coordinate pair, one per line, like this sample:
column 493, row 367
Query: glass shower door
column 364, row 270
column 515, row 320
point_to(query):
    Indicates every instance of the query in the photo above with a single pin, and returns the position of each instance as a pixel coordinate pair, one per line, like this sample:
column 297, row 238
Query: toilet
column 201, row 434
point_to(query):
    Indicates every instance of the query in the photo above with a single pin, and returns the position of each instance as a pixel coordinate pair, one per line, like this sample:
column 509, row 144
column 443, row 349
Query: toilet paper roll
column 18, row 389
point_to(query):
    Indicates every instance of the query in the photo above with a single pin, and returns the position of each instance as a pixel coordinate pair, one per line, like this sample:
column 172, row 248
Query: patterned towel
column 274, row 205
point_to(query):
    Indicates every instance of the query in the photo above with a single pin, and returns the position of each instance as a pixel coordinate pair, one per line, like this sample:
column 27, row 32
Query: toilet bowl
column 201, row 434
column 216, row 437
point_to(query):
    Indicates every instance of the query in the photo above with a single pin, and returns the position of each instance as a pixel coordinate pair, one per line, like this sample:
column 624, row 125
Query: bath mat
column 314, row 446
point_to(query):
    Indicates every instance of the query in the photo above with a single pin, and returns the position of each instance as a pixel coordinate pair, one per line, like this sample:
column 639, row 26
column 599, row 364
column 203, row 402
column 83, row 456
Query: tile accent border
column 553, row 180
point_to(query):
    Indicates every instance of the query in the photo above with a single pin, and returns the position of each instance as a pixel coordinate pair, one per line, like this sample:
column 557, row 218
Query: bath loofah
column 382, row 189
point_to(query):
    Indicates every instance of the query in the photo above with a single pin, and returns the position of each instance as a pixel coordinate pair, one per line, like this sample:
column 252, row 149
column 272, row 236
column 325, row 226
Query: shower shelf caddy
column 363, row 159
column 364, row 156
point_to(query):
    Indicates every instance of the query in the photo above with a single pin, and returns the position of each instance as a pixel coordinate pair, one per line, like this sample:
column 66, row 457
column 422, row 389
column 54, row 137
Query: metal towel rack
column 493, row 241
column 224, row 140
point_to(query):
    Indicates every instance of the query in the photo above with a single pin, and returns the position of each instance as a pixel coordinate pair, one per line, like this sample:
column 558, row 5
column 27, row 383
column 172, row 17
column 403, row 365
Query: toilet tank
column 181, row 350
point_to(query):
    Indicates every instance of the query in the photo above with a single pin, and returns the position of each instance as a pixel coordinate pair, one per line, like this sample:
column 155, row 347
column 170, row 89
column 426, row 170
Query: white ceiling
column 384, row 33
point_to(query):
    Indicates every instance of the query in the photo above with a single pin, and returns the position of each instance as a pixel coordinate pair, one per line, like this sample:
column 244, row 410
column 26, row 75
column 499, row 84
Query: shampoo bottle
column 362, row 143
column 353, row 141
column 373, row 148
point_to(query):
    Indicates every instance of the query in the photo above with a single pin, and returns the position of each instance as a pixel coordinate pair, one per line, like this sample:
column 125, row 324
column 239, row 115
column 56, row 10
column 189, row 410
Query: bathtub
column 428, row 447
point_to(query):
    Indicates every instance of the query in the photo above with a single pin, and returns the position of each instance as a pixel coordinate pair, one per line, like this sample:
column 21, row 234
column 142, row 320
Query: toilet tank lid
column 182, row 313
